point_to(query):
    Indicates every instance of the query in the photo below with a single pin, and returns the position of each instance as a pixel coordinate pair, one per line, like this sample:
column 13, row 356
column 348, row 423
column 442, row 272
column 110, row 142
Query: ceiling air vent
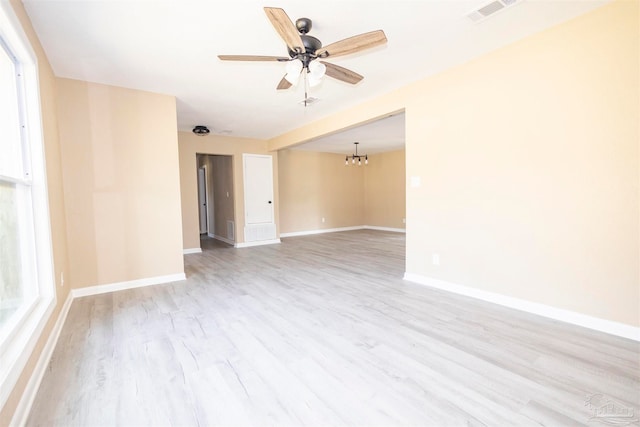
column 489, row 9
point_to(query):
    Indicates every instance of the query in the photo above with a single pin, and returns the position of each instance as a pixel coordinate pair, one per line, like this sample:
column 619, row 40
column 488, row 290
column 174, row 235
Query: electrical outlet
column 323, row 220
column 435, row 259
column 62, row 279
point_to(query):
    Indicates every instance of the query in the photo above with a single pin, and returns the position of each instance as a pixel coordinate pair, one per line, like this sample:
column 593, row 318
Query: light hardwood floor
column 322, row 330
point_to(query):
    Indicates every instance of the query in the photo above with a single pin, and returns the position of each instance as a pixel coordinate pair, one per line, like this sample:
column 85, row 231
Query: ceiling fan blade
column 342, row 74
column 353, row 44
column 284, row 84
column 252, row 58
column 283, row 25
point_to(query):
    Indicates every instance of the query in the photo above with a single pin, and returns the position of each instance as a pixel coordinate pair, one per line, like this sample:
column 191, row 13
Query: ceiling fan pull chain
column 306, row 82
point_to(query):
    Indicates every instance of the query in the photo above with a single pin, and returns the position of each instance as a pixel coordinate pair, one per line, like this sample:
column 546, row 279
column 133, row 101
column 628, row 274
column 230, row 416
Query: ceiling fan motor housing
column 303, row 25
column 310, row 43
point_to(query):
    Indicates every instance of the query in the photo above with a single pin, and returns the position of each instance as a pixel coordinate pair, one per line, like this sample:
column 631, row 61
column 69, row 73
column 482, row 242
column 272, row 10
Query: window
column 15, row 188
column 27, row 284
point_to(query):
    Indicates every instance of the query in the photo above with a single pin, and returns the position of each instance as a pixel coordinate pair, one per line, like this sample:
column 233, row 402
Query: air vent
column 489, row 9
column 231, row 231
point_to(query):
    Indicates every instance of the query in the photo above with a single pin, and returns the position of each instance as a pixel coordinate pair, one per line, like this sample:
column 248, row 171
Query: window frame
column 17, row 345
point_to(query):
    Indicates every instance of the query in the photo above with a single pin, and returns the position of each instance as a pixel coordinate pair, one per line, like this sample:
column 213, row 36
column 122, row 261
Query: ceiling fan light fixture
column 317, row 69
column 293, row 70
column 316, row 72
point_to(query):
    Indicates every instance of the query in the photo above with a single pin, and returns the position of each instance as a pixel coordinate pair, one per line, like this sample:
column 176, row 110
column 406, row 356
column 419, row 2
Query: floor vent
column 489, row 9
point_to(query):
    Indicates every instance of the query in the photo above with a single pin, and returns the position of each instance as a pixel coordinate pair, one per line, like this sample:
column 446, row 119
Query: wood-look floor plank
column 322, row 330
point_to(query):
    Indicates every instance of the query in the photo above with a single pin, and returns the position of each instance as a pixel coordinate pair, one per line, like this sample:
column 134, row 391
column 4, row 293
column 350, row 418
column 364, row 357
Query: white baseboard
column 339, row 229
column 28, row 396
column 257, row 243
column 321, row 231
column 567, row 316
column 192, row 251
column 375, row 227
column 26, row 401
column 111, row 287
column 223, row 239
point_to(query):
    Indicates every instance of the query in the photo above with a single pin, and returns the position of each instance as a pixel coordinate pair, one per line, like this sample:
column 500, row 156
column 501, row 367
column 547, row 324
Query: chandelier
column 355, row 157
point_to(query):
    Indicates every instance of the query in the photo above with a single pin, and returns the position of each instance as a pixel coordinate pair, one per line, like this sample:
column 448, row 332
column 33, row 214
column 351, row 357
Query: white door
column 202, row 199
column 258, row 198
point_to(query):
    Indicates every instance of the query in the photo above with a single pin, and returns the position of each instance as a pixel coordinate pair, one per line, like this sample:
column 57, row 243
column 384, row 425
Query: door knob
column 269, row 201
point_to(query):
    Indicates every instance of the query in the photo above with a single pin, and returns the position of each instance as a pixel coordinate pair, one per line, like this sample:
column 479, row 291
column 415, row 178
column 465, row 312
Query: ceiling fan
column 306, row 52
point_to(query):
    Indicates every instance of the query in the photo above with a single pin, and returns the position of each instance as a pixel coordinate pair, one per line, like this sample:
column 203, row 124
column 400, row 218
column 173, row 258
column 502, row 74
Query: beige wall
column 529, row 167
column 189, row 146
column 528, row 159
column 223, row 199
column 316, row 185
column 121, row 182
column 384, row 190
column 56, row 205
column 529, row 164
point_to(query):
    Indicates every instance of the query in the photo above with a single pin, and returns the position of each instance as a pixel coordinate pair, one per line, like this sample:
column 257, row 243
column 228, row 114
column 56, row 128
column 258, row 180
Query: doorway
column 202, row 200
column 216, row 197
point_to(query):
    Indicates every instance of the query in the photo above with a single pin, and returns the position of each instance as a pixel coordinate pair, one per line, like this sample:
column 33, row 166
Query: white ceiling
column 171, row 47
column 382, row 135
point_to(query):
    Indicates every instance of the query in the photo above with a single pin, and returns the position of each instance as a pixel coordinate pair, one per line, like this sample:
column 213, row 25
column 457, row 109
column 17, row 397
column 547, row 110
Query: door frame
column 206, row 200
